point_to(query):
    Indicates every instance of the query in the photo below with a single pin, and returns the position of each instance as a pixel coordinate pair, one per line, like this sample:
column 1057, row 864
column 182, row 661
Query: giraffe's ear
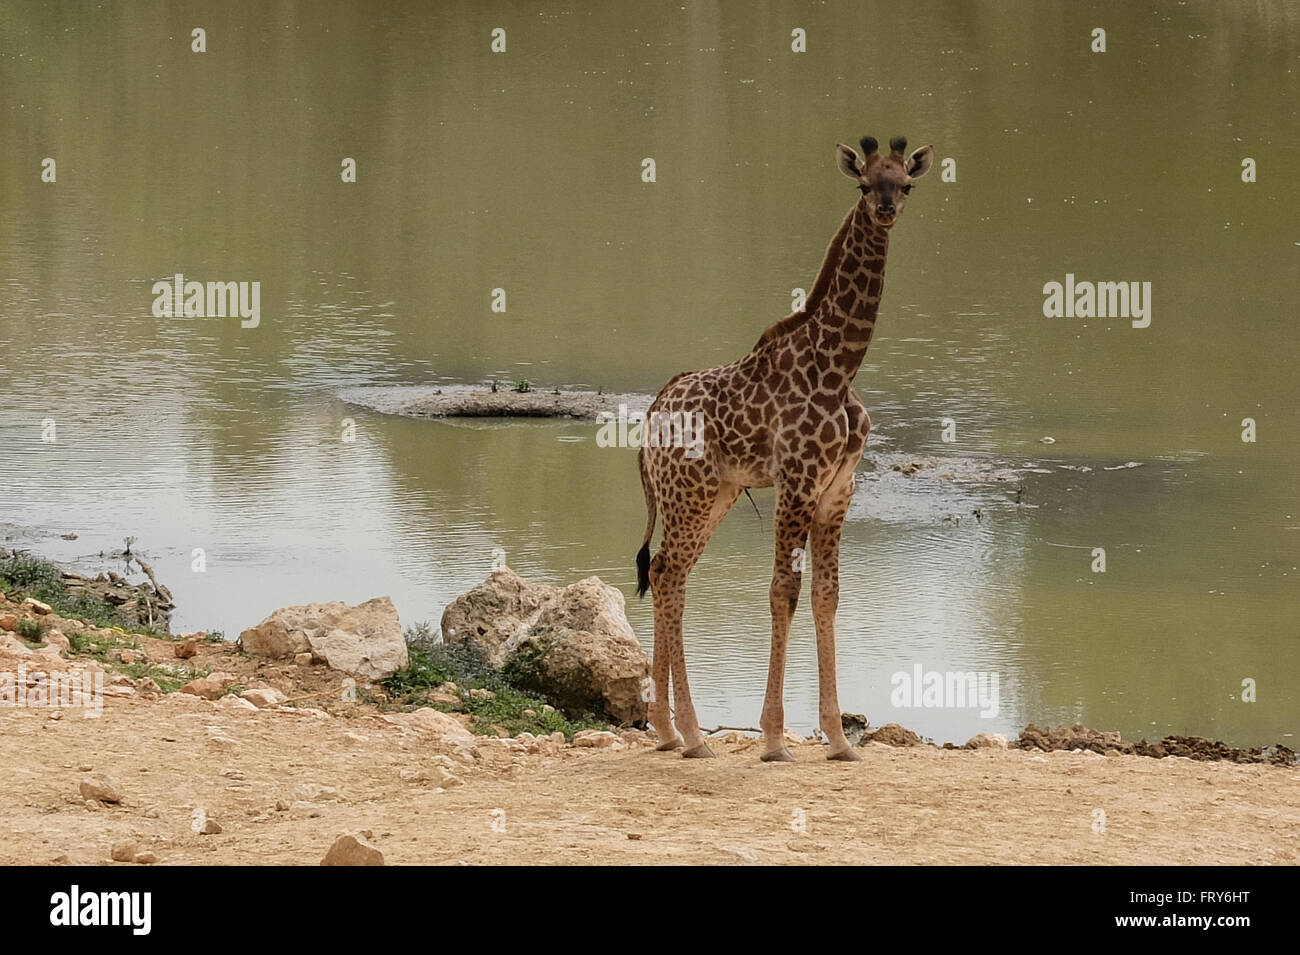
column 850, row 162
column 918, row 164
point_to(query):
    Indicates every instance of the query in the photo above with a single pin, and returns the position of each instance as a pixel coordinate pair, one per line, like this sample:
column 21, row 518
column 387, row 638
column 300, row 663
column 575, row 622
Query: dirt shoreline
column 284, row 785
column 278, row 761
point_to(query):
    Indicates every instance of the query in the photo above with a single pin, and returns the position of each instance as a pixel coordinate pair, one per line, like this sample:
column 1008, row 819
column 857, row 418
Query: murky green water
column 521, row 171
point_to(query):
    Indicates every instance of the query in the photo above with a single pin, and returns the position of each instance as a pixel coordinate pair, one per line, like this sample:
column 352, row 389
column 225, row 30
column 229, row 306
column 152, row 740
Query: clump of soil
column 1071, row 738
column 893, row 735
column 1197, row 747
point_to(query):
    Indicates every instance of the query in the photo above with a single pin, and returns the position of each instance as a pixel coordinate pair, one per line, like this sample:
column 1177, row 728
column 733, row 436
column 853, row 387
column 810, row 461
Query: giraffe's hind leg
column 660, row 711
column 794, row 513
column 687, row 528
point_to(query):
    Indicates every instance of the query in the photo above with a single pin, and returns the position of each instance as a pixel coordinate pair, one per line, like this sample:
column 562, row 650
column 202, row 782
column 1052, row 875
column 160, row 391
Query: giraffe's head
column 885, row 181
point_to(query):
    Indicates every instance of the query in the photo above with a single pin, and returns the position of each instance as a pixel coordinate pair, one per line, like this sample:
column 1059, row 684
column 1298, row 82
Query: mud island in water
column 517, row 400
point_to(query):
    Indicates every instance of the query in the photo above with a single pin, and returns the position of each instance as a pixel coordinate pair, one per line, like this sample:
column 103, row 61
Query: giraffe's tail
column 643, row 555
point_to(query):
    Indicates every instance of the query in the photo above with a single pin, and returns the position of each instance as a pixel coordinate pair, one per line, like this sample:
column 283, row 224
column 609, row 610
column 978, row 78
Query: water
column 521, row 171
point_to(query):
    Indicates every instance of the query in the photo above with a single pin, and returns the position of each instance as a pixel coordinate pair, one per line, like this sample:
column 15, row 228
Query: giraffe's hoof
column 698, row 752
column 669, row 744
column 781, row 755
column 849, row 755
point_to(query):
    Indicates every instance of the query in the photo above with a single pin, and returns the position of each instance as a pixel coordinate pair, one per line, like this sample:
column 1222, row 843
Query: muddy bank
column 480, row 401
column 1081, row 739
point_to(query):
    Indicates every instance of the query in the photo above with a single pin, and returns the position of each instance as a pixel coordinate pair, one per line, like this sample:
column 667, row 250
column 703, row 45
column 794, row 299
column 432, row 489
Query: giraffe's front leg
column 792, row 520
column 825, row 546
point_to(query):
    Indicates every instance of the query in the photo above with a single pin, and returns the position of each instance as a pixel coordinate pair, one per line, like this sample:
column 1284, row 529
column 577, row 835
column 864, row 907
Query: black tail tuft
column 643, row 569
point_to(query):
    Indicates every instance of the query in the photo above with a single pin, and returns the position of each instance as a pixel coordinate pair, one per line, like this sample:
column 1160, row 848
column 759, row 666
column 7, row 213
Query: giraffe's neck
column 846, row 317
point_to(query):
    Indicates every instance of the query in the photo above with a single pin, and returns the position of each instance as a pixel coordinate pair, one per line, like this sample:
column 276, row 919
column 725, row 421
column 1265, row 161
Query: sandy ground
column 377, row 772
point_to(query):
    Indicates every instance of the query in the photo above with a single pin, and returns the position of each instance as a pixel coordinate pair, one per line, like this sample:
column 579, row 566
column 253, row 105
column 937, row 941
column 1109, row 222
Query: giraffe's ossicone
column 784, row 416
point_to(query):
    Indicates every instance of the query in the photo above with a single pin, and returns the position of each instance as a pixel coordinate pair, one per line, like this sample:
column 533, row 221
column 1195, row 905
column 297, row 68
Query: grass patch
column 170, row 677
column 97, row 647
column 433, row 663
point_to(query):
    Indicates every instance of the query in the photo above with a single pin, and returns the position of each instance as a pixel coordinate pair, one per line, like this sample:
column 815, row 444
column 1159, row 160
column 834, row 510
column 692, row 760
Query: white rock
column 316, row 792
column 365, row 640
column 596, row 739
column 230, row 702
column 264, row 697
column 442, row 725
column 589, row 656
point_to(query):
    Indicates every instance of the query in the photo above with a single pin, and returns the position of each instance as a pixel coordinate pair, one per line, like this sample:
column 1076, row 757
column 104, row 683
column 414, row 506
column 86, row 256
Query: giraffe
column 784, row 416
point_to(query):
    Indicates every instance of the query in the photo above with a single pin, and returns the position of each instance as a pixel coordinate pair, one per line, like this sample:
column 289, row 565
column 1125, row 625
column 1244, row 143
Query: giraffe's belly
column 750, row 479
column 744, row 467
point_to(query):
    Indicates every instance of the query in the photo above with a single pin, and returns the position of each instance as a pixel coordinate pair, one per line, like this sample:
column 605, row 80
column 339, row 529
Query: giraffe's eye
column 907, row 188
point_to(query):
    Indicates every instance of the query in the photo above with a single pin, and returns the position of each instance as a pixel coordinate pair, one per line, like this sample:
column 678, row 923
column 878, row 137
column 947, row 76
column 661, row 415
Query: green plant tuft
column 31, row 630
column 433, row 663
